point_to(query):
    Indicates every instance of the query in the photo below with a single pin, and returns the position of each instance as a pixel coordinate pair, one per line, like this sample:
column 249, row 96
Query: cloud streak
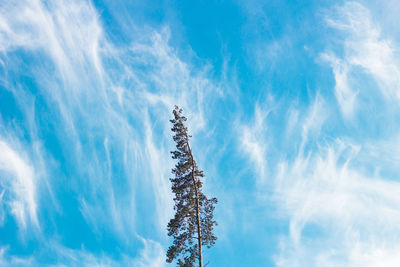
column 18, row 183
column 339, row 211
column 365, row 48
column 101, row 111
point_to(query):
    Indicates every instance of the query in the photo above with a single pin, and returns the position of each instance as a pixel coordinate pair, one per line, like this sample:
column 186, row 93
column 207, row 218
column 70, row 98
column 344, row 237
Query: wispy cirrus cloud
column 346, row 96
column 365, row 48
column 336, row 189
column 342, row 209
column 151, row 254
column 85, row 135
column 18, row 182
column 338, row 214
column 252, row 142
column 101, row 112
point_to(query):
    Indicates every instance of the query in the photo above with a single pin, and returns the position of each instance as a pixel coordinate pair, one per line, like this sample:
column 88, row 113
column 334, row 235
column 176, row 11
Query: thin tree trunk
column 197, row 207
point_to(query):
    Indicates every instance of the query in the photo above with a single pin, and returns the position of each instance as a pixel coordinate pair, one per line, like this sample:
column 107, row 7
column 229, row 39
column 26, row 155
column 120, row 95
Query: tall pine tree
column 193, row 223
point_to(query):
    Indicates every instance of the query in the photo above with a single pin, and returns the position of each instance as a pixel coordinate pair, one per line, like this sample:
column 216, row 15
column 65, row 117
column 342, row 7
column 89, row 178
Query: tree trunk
column 197, row 207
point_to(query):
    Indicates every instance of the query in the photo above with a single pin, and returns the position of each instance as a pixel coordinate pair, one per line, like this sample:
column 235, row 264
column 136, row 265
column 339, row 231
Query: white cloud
column 345, row 94
column 354, row 216
column 313, row 121
column 160, row 169
column 365, row 48
column 252, row 142
column 264, row 55
column 151, row 255
column 10, row 261
column 17, row 178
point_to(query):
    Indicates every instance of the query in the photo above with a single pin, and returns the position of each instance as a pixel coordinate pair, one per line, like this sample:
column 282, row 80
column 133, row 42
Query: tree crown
column 193, row 223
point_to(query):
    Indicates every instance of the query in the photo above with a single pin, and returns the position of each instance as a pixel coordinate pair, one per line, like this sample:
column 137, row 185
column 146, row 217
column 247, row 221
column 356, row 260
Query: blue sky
column 293, row 107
